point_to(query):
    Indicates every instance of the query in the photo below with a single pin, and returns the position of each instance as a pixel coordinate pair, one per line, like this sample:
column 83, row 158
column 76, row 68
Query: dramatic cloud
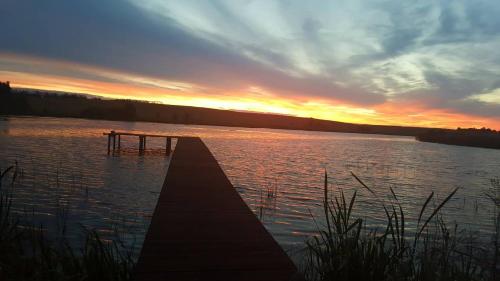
column 440, row 55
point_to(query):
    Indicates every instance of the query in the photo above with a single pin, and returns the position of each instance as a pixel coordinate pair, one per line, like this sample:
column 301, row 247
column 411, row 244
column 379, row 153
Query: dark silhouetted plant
column 27, row 254
column 346, row 250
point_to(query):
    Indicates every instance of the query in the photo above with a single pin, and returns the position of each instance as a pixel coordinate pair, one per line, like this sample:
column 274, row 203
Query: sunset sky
column 418, row 63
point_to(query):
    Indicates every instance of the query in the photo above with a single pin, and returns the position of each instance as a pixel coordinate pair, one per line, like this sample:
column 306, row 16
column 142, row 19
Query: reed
column 494, row 195
column 346, row 249
column 26, row 253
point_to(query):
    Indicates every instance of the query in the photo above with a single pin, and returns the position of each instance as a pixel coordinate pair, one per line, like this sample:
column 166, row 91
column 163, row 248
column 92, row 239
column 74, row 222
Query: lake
column 66, row 173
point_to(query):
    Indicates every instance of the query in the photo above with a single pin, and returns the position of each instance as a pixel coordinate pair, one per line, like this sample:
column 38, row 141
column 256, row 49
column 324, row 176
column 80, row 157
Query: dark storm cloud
column 461, row 33
column 453, row 94
column 465, row 22
column 441, row 53
column 117, row 35
column 431, row 99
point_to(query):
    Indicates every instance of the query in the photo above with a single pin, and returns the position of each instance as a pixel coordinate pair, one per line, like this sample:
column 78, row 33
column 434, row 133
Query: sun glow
column 29, row 72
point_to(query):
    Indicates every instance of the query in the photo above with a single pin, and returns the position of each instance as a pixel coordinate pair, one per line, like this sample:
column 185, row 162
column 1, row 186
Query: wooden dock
column 202, row 230
column 116, row 145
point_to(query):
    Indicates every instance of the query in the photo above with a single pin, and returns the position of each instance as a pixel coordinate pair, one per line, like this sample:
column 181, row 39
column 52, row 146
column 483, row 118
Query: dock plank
column 203, row 230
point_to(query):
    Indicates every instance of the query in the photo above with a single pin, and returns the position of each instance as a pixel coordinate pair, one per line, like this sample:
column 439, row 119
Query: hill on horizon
column 20, row 101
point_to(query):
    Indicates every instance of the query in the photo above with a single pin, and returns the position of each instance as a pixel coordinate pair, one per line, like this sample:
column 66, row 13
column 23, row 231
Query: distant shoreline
column 54, row 104
column 22, row 102
column 484, row 138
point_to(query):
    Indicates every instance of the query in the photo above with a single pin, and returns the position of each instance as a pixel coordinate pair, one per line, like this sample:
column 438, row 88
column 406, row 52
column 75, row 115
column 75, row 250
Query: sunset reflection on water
column 65, row 162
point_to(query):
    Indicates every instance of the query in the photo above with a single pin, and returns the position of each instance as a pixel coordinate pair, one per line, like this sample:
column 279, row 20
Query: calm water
column 65, row 167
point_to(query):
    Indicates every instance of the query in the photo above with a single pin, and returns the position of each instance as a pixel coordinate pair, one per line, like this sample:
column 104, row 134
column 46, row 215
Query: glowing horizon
column 253, row 100
column 410, row 64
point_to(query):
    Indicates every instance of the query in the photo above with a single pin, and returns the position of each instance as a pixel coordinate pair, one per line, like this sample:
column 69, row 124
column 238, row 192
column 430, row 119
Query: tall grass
column 347, row 250
column 494, row 195
column 26, row 253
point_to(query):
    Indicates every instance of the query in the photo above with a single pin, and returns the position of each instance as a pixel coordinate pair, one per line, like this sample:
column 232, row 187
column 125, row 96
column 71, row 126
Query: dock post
column 109, row 142
column 168, row 147
column 114, row 143
column 119, row 141
column 144, row 143
column 140, row 144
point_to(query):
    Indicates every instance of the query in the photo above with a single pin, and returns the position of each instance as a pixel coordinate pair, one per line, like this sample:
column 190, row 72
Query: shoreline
column 48, row 104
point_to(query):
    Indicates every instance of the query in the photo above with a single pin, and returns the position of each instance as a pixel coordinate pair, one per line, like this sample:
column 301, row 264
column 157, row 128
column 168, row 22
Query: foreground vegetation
column 26, row 253
column 347, row 250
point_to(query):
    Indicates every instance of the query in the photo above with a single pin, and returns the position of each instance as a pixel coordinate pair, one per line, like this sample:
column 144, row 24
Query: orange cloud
column 29, row 72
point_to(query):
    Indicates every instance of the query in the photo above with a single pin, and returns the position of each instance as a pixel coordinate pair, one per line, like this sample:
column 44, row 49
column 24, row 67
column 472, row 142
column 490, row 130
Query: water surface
column 66, row 167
